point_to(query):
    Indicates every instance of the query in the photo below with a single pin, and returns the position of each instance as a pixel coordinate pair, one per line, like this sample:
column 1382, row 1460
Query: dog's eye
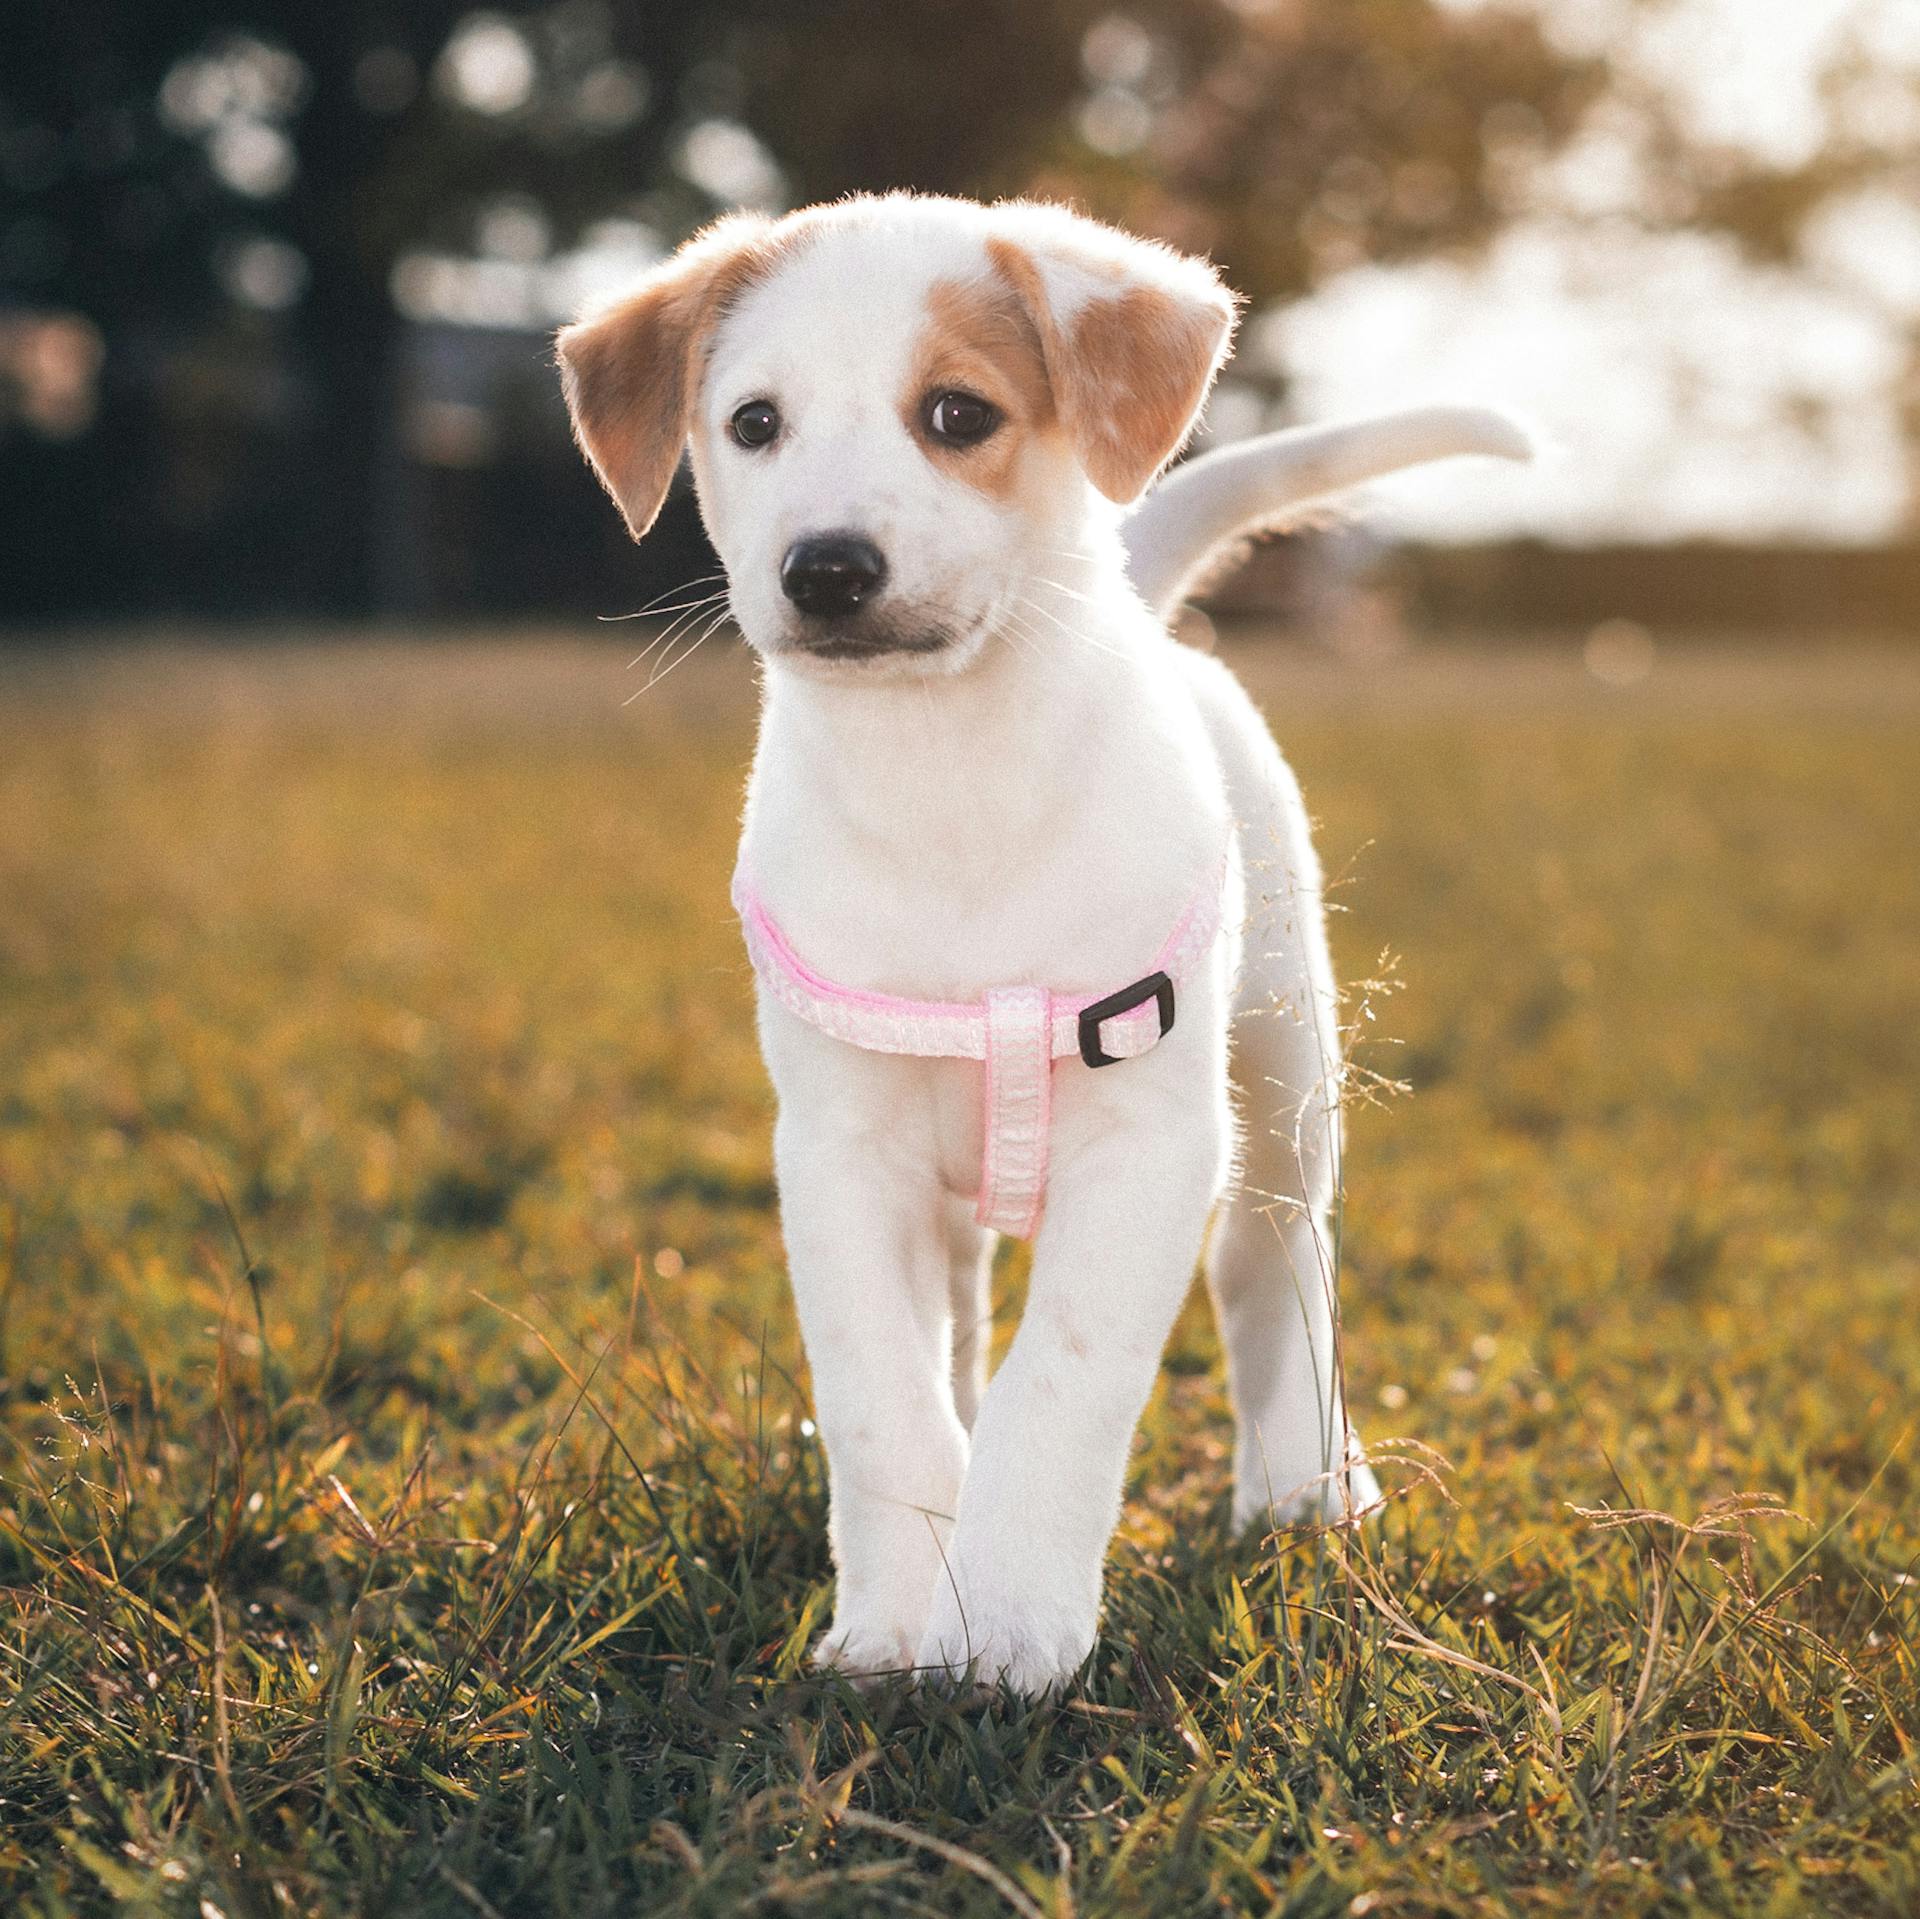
column 961, row 419
column 756, row 423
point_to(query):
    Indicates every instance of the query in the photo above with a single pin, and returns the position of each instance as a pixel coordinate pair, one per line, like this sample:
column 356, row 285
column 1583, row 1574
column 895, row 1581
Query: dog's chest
column 982, row 837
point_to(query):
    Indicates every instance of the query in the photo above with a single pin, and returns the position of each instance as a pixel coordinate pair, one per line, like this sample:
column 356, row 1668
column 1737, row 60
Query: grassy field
column 408, row 1498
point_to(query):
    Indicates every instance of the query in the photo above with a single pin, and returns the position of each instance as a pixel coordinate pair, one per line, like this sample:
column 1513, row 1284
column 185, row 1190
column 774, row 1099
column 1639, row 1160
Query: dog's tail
column 1181, row 528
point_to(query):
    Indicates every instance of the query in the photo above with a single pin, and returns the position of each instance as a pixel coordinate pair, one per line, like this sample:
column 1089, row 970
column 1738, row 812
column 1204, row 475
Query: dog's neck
column 1028, row 817
column 965, row 766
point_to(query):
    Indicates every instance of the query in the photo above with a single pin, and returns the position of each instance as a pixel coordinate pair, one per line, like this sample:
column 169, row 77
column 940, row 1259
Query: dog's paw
column 1033, row 1650
column 1327, row 1499
column 869, row 1653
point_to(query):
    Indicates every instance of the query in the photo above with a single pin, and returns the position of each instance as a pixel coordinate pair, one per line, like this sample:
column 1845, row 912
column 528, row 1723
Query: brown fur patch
column 632, row 374
column 1128, row 371
column 979, row 337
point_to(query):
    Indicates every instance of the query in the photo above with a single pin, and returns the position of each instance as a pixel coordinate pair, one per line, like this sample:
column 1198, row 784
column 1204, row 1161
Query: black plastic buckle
column 1156, row 986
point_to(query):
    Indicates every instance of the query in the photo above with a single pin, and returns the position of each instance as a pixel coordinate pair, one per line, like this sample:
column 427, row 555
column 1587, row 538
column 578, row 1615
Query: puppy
column 1013, row 862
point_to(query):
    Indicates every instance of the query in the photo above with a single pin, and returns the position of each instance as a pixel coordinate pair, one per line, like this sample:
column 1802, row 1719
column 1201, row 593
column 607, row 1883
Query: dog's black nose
column 832, row 573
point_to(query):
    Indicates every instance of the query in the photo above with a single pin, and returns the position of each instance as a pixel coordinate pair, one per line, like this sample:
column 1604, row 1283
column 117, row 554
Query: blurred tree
column 1293, row 140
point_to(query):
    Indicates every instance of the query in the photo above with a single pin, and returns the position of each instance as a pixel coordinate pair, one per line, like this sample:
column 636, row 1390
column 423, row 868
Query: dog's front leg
column 867, row 1248
column 1019, row 1599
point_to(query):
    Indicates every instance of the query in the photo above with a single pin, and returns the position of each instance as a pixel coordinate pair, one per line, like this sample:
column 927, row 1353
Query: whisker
column 693, row 646
column 689, row 606
column 1072, row 632
column 705, row 600
column 686, row 614
column 1013, row 628
column 1033, row 643
column 675, row 655
column 1072, row 593
column 681, row 658
column 653, row 605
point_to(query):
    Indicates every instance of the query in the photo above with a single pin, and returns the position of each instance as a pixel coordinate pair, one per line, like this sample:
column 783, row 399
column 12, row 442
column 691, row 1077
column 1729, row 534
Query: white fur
column 1037, row 802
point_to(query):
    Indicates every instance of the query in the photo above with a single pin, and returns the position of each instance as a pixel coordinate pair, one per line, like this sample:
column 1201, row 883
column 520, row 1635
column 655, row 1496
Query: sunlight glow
column 1669, row 409
column 1688, row 392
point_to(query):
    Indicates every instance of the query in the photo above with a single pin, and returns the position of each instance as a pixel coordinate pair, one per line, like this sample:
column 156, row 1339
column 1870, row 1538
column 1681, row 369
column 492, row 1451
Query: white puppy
column 990, row 790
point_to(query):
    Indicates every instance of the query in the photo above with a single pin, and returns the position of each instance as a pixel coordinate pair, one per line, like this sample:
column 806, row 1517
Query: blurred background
column 377, row 1052
column 278, row 277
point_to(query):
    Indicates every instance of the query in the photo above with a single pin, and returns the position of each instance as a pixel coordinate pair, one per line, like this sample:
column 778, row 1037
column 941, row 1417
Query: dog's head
column 901, row 411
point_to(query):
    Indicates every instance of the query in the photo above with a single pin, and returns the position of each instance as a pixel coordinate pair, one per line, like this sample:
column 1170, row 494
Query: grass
column 407, row 1501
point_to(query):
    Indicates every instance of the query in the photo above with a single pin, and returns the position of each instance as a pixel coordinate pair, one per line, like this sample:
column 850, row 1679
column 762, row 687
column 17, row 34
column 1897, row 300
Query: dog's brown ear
column 1132, row 334
column 632, row 374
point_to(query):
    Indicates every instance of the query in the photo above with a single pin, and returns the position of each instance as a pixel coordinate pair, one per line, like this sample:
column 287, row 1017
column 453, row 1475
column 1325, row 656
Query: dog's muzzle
column 833, row 581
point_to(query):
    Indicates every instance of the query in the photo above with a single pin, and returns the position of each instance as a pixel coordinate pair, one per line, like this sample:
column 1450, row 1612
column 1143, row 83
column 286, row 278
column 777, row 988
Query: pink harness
column 1017, row 1032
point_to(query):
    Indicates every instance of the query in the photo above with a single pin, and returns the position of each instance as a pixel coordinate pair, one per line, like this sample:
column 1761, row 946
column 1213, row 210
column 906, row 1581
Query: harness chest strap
column 1016, row 1032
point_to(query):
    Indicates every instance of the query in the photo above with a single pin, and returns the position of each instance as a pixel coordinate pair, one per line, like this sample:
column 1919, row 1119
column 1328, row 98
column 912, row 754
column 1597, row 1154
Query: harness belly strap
column 1019, row 1110
column 1016, row 1032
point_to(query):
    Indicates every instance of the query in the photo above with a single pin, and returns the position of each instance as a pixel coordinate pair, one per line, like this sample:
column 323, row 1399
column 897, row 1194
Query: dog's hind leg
column 1272, row 1263
column 970, row 1252
column 1273, row 1260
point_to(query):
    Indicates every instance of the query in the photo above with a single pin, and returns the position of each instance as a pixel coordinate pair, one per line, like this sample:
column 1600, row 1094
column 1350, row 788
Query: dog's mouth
column 856, row 641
